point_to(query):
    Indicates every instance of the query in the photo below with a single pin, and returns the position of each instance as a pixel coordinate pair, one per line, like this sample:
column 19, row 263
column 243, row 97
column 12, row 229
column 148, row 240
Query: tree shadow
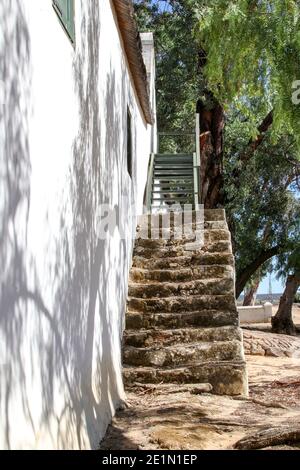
column 15, row 170
column 73, row 346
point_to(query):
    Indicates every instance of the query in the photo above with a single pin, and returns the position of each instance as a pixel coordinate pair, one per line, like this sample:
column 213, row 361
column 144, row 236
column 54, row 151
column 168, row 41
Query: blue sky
column 163, row 5
column 277, row 286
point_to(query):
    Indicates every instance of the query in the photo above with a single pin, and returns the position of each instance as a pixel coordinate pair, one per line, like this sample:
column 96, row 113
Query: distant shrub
column 297, row 298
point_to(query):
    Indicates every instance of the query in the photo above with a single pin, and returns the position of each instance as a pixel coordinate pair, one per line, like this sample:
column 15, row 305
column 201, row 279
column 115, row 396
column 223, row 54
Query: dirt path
column 156, row 419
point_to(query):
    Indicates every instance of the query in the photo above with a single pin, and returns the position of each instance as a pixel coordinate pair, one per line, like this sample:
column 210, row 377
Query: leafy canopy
column 253, row 49
column 263, row 205
column 253, row 58
column 178, row 81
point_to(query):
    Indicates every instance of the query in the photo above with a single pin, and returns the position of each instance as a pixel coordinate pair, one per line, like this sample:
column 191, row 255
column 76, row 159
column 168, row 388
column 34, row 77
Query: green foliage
column 178, row 82
column 262, row 206
column 253, row 58
column 289, row 261
column 253, row 51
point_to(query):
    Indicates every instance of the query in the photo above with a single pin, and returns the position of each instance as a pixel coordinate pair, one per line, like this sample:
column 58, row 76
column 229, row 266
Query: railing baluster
column 149, row 183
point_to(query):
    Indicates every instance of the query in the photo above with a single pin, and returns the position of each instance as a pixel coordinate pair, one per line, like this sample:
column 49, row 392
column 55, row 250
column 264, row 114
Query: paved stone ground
column 259, row 343
column 156, row 418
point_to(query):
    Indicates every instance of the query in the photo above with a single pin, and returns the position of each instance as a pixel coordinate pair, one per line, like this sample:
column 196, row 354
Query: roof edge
column 133, row 49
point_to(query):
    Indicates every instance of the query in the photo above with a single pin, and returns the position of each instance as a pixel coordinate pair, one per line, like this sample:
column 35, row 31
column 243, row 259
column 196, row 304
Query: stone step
column 181, row 304
column 226, row 377
column 207, row 236
column 181, row 250
column 181, row 275
column 166, row 230
column 159, row 337
column 187, row 260
column 182, row 354
column 200, row 318
column 199, row 287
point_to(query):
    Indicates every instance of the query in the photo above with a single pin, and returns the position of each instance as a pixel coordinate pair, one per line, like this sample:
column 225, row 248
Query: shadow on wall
column 78, row 342
column 15, row 170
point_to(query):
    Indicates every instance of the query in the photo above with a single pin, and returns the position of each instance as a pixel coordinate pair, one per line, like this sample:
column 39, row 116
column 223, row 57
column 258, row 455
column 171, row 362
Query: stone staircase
column 182, row 322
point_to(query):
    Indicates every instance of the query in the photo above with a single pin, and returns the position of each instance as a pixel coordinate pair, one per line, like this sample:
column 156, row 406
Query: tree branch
column 248, row 271
column 255, row 143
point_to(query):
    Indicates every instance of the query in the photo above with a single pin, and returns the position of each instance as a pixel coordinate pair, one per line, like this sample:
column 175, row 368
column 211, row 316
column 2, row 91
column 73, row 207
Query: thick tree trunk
column 282, row 322
column 250, row 295
column 212, row 121
column 280, row 435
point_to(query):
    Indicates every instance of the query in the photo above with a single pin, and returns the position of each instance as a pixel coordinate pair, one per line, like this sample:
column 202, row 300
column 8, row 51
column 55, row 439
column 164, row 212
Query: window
column 129, row 143
column 65, row 12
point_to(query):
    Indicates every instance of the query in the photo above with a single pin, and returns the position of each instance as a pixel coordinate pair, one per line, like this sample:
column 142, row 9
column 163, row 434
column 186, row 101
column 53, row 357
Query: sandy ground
column 176, row 419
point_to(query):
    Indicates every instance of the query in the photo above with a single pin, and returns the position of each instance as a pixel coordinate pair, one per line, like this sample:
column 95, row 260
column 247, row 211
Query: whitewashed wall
column 149, row 55
column 62, row 156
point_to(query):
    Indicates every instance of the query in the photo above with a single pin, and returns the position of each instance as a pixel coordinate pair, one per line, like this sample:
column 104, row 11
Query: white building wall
column 62, row 156
column 150, row 63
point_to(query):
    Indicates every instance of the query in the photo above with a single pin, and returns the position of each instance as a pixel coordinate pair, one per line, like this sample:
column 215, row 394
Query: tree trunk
column 282, row 322
column 279, row 435
column 250, row 295
column 212, row 122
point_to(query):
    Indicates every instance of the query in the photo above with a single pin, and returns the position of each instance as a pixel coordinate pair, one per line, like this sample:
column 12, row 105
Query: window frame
column 68, row 24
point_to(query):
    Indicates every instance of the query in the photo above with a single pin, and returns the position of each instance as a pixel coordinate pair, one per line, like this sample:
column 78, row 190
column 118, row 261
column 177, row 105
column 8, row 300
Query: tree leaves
column 252, row 56
column 254, row 51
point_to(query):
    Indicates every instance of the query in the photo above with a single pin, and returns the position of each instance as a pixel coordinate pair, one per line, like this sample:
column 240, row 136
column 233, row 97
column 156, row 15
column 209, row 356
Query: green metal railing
column 183, row 142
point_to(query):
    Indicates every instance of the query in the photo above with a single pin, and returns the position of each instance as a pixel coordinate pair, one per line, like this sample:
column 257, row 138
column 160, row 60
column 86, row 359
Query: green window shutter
column 65, row 12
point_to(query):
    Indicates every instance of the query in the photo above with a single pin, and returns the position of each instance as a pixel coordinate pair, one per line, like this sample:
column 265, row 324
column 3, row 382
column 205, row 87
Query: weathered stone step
column 181, row 303
column 181, row 250
column 208, row 236
column 159, row 337
column 182, row 354
column 201, row 318
column 199, row 287
column 226, row 377
column 187, row 260
column 168, row 229
column 182, row 275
